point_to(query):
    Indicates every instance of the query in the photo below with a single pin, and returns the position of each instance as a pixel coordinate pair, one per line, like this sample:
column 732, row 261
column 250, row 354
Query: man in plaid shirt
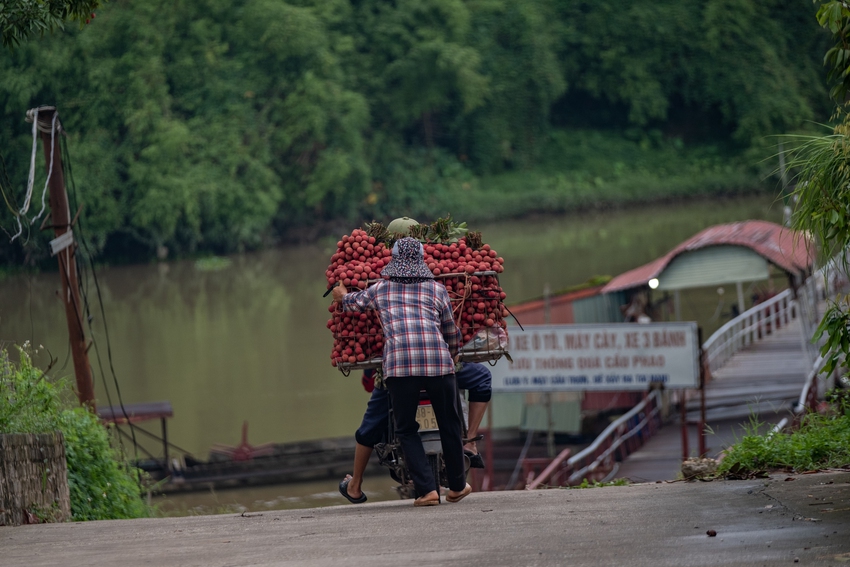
column 420, row 334
column 420, row 343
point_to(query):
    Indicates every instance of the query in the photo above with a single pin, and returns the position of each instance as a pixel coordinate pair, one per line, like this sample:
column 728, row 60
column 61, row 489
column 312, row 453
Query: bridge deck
column 762, row 381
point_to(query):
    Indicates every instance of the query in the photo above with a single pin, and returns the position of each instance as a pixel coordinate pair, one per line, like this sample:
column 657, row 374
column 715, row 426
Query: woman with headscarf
column 421, row 340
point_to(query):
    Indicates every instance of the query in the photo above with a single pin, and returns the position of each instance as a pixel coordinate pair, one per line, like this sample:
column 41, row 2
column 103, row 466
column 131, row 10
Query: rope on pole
column 54, row 128
column 50, row 170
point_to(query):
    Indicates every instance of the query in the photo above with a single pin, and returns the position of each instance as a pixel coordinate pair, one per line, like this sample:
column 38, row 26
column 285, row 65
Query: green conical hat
column 402, row 225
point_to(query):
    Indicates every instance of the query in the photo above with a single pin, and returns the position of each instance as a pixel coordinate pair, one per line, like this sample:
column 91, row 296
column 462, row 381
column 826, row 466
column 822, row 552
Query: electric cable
column 55, row 128
column 522, row 454
column 84, row 287
column 32, row 319
column 53, row 133
column 67, row 357
column 69, row 176
column 6, row 182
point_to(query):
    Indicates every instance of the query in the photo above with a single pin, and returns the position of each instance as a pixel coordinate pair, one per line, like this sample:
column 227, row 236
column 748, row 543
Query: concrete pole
column 703, row 450
column 677, row 306
column 60, row 216
column 550, row 419
column 739, row 286
column 684, row 419
column 488, row 465
column 783, row 174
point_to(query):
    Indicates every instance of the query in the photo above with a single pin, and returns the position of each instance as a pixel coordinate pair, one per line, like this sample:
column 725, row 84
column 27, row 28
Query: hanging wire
column 5, row 182
column 80, row 234
column 31, row 178
column 8, row 195
column 53, row 132
column 515, row 475
column 55, row 128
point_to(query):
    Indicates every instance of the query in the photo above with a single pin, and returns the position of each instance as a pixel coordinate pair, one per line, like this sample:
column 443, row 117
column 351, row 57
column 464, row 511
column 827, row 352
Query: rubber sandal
column 419, row 502
column 343, row 489
column 460, row 495
column 476, row 461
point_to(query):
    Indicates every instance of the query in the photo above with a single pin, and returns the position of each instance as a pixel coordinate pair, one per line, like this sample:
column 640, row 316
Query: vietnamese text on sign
column 616, row 356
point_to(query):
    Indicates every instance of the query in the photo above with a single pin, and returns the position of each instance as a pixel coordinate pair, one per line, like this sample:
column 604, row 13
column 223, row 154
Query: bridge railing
column 813, row 389
column 627, row 434
column 623, row 437
column 763, row 319
column 750, row 326
column 810, row 394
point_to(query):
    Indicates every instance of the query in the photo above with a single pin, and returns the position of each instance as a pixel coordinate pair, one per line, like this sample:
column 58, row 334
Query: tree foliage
column 835, row 17
column 222, row 126
column 21, row 19
column 822, row 165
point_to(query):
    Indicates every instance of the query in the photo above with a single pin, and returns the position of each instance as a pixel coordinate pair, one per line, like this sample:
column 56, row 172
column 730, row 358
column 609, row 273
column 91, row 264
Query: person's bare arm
column 339, row 292
column 449, row 328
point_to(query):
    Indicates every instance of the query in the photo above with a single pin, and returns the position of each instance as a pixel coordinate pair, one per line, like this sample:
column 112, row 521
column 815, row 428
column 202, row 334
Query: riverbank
column 784, row 519
column 578, row 171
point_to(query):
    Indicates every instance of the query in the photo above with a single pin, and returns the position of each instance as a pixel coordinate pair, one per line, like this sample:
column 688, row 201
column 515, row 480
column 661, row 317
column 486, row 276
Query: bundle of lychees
column 458, row 259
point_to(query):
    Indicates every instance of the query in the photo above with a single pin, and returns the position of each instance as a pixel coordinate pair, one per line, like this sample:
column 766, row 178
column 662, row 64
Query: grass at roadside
column 822, row 441
column 596, row 484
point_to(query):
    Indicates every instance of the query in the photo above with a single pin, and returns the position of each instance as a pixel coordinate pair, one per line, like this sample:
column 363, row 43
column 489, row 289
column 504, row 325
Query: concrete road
column 773, row 521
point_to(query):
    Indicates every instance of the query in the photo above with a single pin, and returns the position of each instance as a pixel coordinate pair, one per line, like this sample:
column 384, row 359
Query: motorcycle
column 391, row 456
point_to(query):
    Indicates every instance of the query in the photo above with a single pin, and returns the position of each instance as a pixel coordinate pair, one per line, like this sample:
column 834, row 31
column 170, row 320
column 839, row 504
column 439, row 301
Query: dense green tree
column 215, row 126
column 739, row 57
column 521, row 41
column 417, row 62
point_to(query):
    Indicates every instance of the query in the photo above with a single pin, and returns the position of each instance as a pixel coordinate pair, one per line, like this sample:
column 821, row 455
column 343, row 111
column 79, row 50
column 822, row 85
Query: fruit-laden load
column 459, row 260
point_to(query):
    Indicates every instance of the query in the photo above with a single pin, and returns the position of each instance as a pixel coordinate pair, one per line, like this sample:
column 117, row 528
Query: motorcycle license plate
column 425, row 418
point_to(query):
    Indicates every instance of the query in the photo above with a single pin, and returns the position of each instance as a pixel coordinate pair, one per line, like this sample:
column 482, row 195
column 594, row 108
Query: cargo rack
column 465, row 354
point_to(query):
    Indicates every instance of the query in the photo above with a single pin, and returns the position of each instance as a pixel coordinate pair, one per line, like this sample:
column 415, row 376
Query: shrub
column 102, row 485
column 29, row 402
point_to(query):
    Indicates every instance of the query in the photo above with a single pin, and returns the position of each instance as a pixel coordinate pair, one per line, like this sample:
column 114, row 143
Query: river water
column 243, row 338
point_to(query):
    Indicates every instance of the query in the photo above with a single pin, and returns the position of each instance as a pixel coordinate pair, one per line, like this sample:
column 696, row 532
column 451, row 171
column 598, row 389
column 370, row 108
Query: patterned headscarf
column 408, row 261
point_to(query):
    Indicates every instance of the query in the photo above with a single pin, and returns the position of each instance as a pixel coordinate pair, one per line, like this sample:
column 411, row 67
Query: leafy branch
column 21, row 19
column 835, row 17
column 822, row 191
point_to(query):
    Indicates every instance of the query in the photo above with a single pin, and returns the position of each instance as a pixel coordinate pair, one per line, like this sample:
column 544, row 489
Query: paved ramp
column 754, row 522
column 762, row 382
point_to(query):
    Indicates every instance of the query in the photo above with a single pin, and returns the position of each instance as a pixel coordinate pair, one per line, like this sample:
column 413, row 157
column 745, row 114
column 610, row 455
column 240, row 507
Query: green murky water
column 245, row 339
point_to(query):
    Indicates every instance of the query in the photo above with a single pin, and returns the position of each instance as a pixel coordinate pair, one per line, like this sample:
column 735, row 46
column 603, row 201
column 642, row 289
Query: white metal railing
column 747, row 328
column 808, row 396
column 606, row 456
column 811, row 382
column 603, row 447
column 762, row 319
column 824, row 283
column 750, row 326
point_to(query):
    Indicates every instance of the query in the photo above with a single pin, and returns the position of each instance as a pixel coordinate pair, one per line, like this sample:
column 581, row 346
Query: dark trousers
column 473, row 377
column 442, row 391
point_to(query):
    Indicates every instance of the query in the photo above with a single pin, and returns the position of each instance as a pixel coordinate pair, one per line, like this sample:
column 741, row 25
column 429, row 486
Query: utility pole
column 64, row 248
column 547, row 396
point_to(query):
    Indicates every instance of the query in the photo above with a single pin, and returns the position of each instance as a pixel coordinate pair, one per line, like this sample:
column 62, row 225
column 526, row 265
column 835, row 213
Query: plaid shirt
column 420, row 335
